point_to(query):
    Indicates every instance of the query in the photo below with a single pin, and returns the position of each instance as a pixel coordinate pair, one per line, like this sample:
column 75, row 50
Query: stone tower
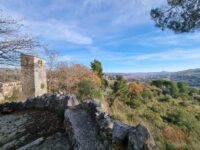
column 33, row 76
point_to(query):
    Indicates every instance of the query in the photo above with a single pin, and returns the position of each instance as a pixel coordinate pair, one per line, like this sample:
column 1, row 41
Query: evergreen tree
column 96, row 66
column 120, row 89
column 183, row 87
column 180, row 16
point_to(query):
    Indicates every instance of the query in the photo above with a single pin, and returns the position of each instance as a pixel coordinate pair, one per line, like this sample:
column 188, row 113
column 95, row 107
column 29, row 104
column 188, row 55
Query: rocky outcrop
column 87, row 126
column 91, row 128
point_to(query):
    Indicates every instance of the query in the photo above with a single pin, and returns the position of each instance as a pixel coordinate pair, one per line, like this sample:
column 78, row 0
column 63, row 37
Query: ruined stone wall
column 87, row 126
column 6, row 89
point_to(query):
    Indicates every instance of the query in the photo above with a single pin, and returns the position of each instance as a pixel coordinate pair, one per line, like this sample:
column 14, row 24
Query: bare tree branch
column 13, row 42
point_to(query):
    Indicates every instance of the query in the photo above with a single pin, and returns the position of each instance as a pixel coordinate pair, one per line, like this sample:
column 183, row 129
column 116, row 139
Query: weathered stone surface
column 83, row 130
column 72, row 101
column 120, row 131
column 137, row 138
column 55, row 142
column 29, row 145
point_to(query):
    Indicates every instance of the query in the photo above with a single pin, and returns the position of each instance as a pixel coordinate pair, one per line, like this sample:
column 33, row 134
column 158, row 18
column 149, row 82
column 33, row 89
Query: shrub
column 173, row 134
column 183, row 87
column 170, row 146
column 120, row 90
column 168, row 87
column 184, row 120
column 66, row 78
column 87, row 90
column 165, row 98
column 136, row 87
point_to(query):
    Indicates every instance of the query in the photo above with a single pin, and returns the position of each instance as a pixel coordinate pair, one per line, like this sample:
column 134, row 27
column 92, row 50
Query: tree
column 180, row 16
column 96, row 66
column 66, row 78
column 174, row 89
column 168, row 87
column 12, row 41
column 183, row 87
column 52, row 56
column 135, row 88
column 120, row 89
column 87, row 90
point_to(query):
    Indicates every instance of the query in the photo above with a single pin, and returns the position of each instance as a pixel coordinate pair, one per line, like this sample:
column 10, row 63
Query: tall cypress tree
column 96, row 66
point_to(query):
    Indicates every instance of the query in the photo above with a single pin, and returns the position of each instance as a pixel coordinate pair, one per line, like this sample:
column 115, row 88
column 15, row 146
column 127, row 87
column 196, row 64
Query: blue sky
column 119, row 33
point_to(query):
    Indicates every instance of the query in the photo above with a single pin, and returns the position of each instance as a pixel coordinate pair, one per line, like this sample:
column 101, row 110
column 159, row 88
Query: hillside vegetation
column 169, row 109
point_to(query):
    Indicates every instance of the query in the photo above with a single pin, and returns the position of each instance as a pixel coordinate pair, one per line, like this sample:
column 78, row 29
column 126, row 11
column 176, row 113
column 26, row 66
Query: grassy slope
column 184, row 134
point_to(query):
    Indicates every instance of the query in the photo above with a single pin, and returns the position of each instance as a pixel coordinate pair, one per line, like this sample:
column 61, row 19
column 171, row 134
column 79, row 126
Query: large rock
column 120, row 132
column 137, row 138
column 88, row 120
column 82, row 130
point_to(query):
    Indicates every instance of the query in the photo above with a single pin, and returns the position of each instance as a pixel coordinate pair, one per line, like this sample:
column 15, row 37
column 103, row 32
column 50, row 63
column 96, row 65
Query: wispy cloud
column 55, row 30
column 116, row 57
column 171, row 55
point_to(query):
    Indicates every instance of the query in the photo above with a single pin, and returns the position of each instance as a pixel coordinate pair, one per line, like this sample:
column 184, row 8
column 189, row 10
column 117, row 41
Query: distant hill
column 191, row 76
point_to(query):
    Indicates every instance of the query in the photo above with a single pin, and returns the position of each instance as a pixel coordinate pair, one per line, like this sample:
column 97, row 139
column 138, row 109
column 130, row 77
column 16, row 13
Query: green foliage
column 179, row 89
column 170, row 146
column 162, row 103
column 168, row 87
column 193, row 91
column 96, row 66
column 180, row 16
column 183, row 87
column 120, row 89
column 184, row 120
column 87, row 90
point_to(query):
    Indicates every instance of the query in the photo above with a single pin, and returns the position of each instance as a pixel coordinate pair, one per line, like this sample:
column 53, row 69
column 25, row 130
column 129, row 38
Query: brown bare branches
column 13, row 42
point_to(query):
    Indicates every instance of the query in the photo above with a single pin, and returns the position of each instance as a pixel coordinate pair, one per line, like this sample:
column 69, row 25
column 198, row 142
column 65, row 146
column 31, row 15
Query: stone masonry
column 34, row 81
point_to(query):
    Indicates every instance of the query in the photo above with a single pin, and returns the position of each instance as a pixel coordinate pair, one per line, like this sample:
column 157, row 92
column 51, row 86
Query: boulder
column 82, row 131
column 137, row 138
column 120, row 131
column 72, row 101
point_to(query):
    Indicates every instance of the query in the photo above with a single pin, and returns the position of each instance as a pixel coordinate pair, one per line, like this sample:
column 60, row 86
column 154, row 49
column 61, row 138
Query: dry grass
column 175, row 135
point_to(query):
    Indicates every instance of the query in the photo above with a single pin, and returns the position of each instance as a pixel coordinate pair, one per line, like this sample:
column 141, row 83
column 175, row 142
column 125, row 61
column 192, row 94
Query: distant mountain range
column 191, row 76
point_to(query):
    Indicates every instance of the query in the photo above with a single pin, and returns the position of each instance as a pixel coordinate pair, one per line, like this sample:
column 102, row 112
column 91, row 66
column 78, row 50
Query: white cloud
column 175, row 54
column 169, row 39
column 56, row 30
